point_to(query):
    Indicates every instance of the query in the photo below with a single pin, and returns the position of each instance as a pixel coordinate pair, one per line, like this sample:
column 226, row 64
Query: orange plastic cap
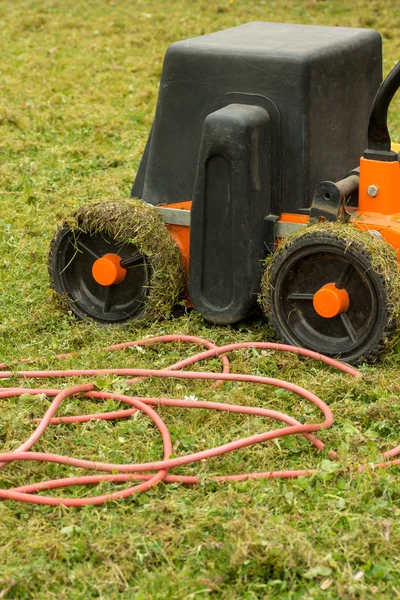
column 107, row 270
column 329, row 301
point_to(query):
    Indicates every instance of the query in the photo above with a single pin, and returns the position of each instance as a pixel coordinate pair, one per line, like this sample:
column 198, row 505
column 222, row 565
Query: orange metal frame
column 181, row 233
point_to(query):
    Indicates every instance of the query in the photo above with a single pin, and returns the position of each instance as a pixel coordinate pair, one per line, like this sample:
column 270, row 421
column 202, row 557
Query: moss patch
column 137, row 223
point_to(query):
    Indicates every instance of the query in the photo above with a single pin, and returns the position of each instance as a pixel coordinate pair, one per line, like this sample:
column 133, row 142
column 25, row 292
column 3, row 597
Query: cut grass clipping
column 137, row 223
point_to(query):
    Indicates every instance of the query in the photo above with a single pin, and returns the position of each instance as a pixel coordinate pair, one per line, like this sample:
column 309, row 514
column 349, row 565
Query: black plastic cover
column 320, row 81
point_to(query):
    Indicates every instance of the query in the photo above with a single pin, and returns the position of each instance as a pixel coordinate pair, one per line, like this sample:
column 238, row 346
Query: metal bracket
column 329, row 199
column 174, row 216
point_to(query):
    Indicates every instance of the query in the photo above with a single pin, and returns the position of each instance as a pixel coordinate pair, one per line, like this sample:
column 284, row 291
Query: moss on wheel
column 135, row 223
column 375, row 260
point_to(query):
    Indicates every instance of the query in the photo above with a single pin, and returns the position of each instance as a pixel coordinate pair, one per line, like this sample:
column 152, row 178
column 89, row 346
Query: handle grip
column 378, row 133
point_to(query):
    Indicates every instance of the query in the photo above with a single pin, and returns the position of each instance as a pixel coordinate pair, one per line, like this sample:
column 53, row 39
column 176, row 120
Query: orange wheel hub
column 329, row 301
column 107, row 270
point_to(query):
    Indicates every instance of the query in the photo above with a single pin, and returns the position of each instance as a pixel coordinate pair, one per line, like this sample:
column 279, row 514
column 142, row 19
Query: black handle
column 378, row 133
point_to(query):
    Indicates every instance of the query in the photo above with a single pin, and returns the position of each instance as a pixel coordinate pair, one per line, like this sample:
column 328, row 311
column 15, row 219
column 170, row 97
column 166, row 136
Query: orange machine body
column 379, row 199
column 181, row 233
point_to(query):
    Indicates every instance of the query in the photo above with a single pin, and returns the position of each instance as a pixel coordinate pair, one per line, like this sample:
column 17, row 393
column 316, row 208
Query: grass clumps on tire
column 134, row 231
column 358, row 261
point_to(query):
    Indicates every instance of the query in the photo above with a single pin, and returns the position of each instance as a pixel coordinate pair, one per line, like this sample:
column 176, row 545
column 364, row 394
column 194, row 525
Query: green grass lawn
column 79, row 83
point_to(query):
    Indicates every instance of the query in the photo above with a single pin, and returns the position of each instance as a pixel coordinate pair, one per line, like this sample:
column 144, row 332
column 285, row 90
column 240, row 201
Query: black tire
column 359, row 262
column 155, row 276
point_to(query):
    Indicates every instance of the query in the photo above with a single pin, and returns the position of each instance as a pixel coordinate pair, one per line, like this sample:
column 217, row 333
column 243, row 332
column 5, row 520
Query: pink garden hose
column 159, row 470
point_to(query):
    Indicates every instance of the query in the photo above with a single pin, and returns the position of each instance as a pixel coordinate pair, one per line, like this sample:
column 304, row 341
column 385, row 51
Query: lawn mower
column 251, row 193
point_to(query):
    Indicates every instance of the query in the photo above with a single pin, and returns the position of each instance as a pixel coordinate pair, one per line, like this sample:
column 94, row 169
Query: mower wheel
column 333, row 289
column 114, row 262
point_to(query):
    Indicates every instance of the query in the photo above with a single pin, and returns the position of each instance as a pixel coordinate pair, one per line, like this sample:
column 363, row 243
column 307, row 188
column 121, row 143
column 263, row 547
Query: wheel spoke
column 298, row 296
column 108, row 299
column 84, row 247
column 344, row 276
column 351, row 332
column 135, row 259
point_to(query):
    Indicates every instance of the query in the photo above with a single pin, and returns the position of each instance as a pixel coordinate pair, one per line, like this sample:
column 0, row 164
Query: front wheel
column 114, row 262
column 333, row 289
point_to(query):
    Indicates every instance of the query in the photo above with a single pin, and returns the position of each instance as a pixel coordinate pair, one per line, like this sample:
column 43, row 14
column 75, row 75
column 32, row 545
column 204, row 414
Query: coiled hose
column 118, row 473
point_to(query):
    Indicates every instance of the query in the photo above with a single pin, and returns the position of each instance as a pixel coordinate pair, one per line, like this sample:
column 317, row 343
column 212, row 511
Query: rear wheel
column 333, row 289
column 115, row 262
